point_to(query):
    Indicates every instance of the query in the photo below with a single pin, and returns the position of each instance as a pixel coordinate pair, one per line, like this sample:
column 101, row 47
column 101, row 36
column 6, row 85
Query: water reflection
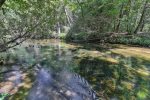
column 64, row 85
column 128, row 79
column 118, row 74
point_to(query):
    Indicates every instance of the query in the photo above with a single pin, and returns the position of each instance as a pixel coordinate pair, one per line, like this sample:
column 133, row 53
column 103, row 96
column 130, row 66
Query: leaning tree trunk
column 142, row 17
column 68, row 16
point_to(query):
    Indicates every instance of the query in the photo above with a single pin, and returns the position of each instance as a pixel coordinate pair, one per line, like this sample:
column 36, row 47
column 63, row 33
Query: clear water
column 115, row 72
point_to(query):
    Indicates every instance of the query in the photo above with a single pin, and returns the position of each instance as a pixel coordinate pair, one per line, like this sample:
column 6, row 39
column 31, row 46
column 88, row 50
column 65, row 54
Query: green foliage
column 34, row 18
column 103, row 16
column 3, row 96
column 86, row 19
column 62, row 36
column 142, row 94
column 81, row 36
column 131, row 39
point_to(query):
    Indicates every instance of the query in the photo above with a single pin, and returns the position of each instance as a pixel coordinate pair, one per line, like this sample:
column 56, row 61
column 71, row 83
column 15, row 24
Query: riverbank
column 141, row 40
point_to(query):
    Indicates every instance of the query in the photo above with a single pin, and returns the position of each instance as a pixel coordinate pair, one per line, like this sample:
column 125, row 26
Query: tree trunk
column 78, row 1
column 142, row 26
column 119, row 17
column 68, row 16
column 142, row 17
column 128, row 18
column 58, row 28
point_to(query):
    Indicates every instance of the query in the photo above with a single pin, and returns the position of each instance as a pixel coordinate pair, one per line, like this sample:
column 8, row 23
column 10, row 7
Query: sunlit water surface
column 116, row 72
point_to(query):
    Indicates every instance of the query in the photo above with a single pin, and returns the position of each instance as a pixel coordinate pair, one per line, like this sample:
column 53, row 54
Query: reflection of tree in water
column 56, row 57
column 60, row 86
column 121, row 80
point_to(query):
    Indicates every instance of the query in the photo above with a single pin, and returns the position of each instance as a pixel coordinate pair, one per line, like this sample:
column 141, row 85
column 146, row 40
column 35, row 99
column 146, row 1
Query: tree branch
column 5, row 46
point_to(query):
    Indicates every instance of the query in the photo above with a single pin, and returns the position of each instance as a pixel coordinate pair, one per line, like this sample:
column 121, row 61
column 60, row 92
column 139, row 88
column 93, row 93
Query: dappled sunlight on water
column 114, row 71
column 143, row 53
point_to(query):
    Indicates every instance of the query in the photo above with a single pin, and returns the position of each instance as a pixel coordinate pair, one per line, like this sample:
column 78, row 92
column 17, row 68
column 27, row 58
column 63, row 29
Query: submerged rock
column 60, row 86
column 11, row 82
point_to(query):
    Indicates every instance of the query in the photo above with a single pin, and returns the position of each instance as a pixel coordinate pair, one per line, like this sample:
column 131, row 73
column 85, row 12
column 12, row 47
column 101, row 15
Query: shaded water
column 114, row 71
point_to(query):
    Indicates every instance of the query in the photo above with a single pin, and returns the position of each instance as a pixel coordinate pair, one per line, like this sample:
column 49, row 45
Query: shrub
column 131, row 39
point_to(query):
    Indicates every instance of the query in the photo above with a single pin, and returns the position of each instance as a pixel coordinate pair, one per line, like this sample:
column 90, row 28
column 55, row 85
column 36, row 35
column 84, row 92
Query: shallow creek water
column 115, row 72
